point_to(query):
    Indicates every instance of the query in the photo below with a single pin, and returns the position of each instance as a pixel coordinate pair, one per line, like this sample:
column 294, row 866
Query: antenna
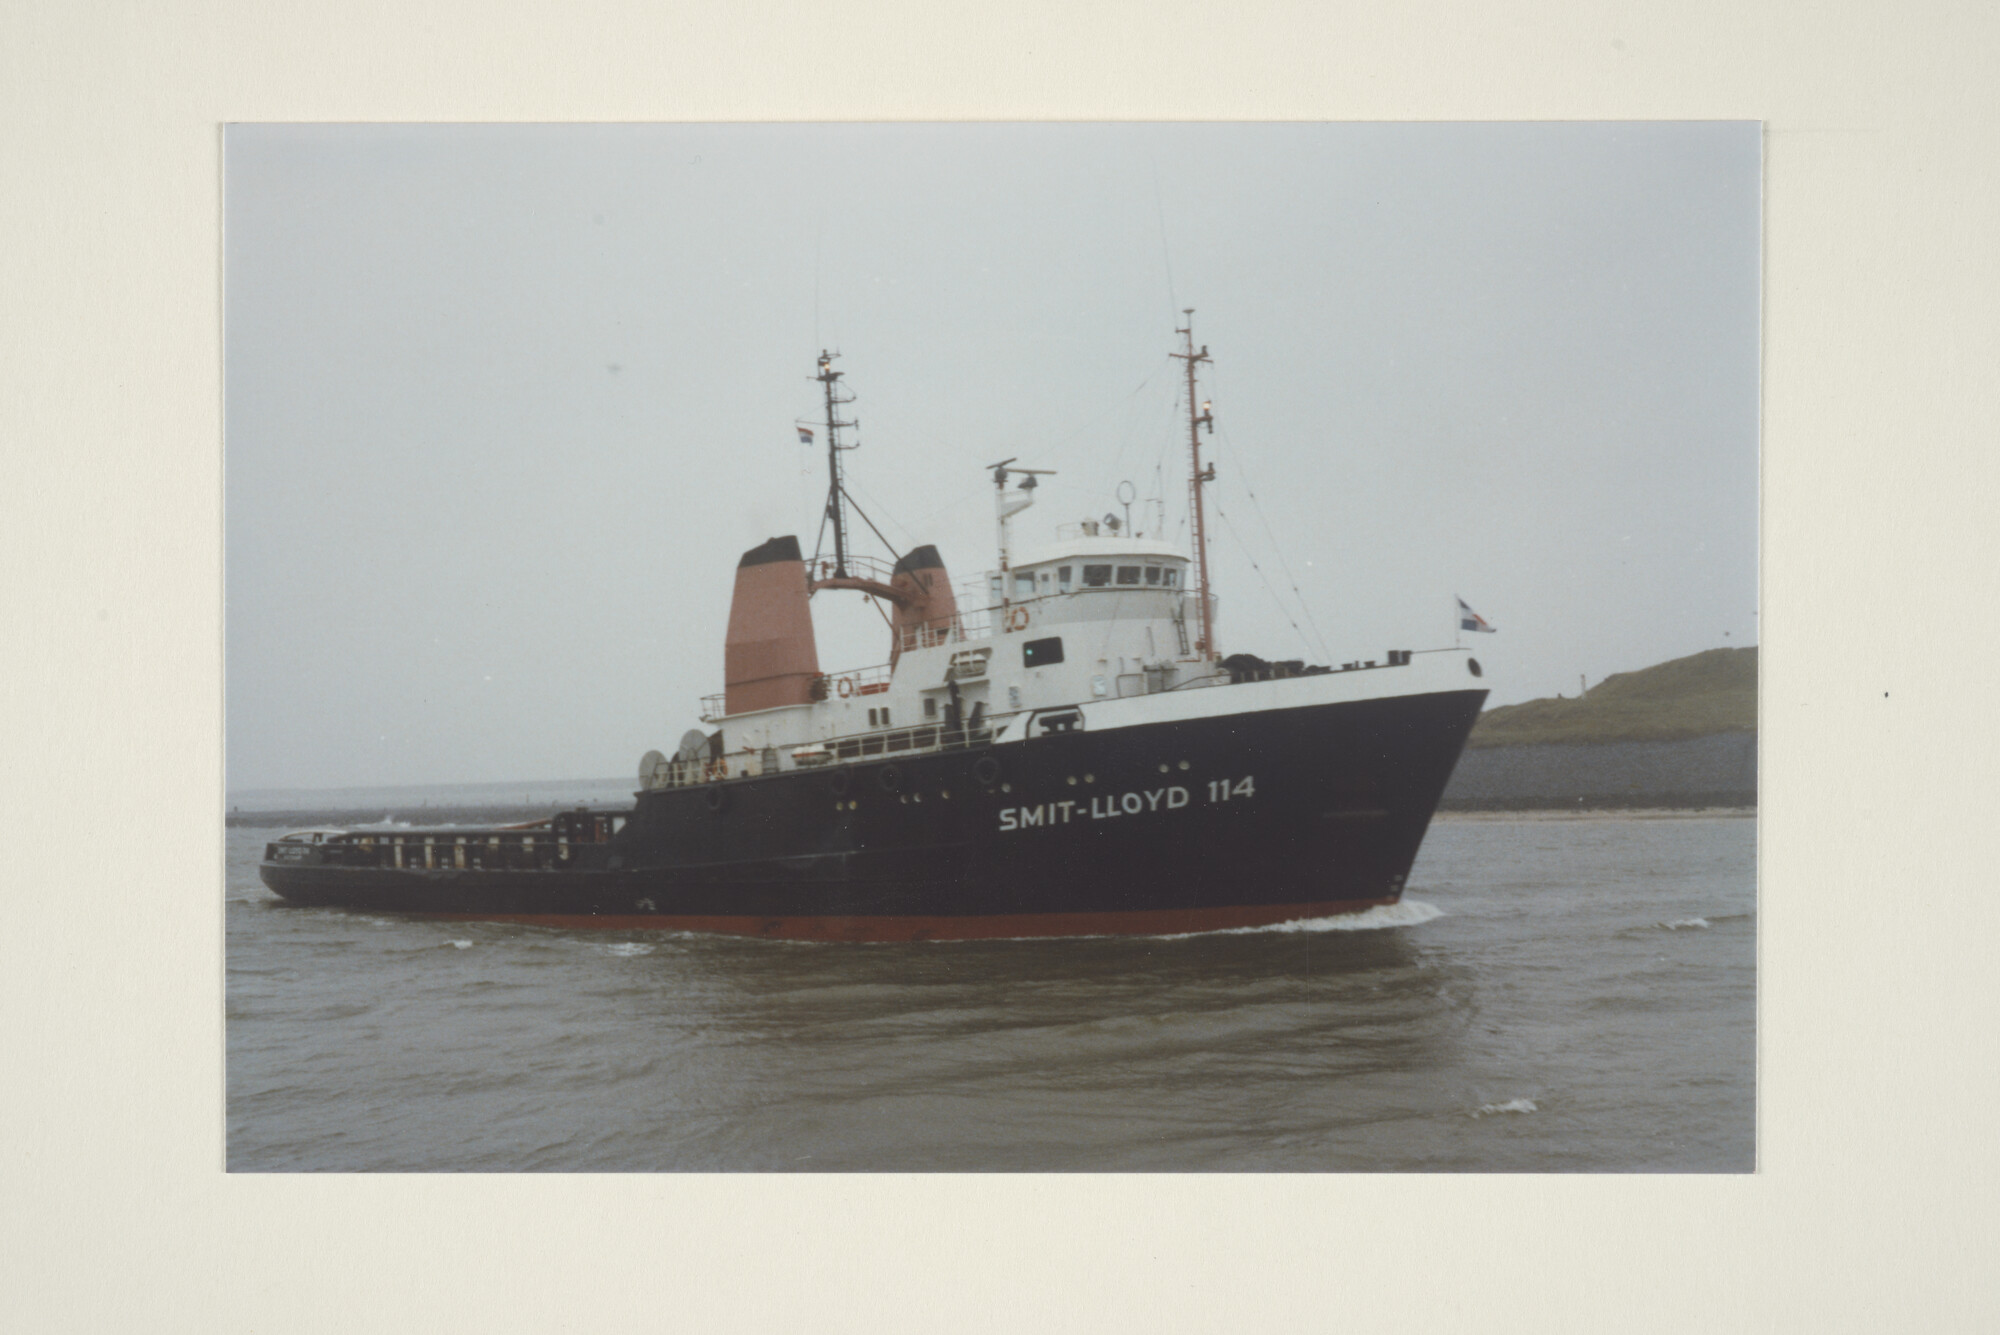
column 1205, row 644
column 1001, row 470
column 1127, row 493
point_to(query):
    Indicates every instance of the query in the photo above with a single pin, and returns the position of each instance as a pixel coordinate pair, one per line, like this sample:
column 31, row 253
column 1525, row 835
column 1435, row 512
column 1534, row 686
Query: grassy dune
column 1703, row 694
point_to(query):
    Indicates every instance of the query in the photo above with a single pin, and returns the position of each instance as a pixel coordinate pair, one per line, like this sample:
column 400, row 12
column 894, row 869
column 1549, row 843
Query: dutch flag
column 805, row 435
column 1471, row 620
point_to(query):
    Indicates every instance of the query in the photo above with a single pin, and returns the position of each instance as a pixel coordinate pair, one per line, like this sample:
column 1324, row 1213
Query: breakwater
column 1714, row 771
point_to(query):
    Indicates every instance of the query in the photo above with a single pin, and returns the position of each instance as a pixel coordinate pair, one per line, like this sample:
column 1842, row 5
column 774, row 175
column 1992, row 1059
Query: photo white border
column 1869, row 1208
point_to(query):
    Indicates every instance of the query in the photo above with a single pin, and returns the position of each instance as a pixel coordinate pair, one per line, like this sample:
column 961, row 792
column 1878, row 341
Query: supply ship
column 1059, row 749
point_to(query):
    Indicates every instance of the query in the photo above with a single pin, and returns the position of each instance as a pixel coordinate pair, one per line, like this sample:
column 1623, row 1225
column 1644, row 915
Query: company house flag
column 1471, row 620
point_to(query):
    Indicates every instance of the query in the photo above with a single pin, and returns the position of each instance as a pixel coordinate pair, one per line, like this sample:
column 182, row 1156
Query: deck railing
column 923, row 738
column 853, row 682
column 858, row 567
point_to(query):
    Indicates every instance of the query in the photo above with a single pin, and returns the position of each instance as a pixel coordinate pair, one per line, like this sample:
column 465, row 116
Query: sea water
column 1554, row 994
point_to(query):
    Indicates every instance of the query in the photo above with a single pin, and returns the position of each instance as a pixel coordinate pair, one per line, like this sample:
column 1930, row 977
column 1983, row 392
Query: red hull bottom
column 1148, row 922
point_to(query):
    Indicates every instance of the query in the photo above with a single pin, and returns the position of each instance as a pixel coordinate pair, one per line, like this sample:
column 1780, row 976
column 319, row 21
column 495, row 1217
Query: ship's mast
column 1205, row 642
column 836, row 495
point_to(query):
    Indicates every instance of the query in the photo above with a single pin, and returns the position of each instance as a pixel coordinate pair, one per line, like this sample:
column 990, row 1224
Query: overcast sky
column 505, row 404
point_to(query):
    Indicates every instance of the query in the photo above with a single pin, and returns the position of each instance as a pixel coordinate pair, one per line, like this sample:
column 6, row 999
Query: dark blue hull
column 1230, row 820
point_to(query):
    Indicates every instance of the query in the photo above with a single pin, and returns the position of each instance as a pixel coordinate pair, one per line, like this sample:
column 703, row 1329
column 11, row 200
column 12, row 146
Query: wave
column 1684, row 924
column 1510, row 1106
column 1408, row 913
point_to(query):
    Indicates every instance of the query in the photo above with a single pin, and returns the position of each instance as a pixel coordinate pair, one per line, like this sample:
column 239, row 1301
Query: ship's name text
column 1113, row 805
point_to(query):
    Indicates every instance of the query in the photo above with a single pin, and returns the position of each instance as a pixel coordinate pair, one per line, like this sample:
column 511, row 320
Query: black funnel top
column 777, row 549
column 920, row 558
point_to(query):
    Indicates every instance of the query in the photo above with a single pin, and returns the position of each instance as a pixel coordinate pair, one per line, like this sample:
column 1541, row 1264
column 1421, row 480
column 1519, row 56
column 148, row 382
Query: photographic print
column 992, row 647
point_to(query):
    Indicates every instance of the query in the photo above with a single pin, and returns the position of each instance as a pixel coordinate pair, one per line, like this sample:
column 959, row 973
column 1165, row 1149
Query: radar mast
column 1198, row 418
column 836, row 495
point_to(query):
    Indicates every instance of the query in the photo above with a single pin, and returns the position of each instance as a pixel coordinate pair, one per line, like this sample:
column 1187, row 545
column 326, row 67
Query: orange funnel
column 769, row 658
column 927, row 609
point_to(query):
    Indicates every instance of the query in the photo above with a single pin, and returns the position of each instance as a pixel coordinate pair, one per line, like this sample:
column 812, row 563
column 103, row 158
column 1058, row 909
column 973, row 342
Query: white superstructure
column 1090, row 618
column 1056, row 634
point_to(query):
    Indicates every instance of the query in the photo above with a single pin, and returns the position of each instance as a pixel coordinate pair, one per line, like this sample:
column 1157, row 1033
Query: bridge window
column 1128, row 574
column 1041, row 653
column 1152, row 574
column 1024, row 583
column 1062, row 578
column 1096, row 577
column 1172, row 578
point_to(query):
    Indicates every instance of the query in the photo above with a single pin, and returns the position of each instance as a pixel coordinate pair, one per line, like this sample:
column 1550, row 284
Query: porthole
column 717, row 797
column 890, row 778
column 837, row 781
column 1472, row 666
column 987, row 770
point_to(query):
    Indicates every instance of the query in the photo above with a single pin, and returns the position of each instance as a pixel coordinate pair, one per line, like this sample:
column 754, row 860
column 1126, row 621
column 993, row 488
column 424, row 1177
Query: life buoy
column 1017, row 619
column 846, row 687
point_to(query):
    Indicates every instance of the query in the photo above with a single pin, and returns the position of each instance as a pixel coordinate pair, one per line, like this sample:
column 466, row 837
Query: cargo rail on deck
column 539, row 847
